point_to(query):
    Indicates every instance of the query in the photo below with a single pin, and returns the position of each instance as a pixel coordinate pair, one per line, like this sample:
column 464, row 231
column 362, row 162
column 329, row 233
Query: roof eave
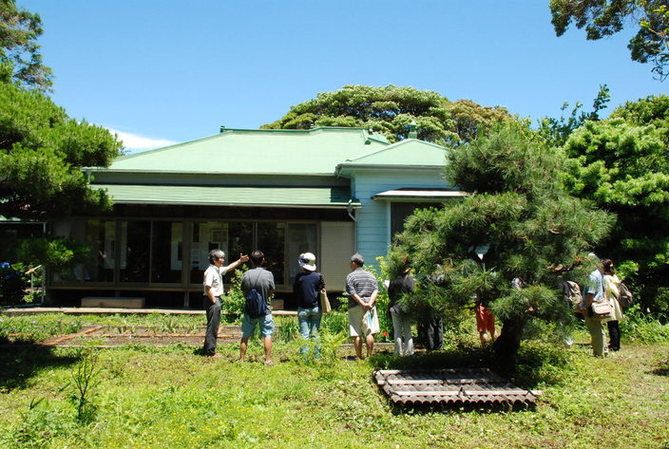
column 179, row 172
column 342, row 168
column 342, row 206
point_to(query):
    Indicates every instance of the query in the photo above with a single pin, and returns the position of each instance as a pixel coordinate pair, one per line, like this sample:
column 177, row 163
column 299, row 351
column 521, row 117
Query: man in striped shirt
column 362, row 288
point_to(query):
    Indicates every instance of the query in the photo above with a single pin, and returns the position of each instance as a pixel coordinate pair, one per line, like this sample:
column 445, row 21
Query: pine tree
column 519, row 211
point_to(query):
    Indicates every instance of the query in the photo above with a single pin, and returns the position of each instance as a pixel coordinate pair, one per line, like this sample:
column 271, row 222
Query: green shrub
column 232, row 303
column 285, row 328
column 642, row 327
column 541, row 361
column 36, row 428
column 13, row 283
column 85, row 379
column 335, row 322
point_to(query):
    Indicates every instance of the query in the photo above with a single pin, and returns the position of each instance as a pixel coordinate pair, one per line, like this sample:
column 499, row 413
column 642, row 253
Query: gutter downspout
column 350, row 210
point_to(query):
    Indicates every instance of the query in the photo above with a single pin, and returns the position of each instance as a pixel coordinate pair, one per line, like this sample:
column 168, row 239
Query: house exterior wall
column 373, row 218
column 337, row 246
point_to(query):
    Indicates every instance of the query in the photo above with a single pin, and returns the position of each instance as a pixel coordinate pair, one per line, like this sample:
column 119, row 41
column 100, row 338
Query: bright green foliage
column 42, row 151
column 623, row 165
column 390, row 110
column 653, row 110
column 557, row 131
column 602, row 18
column 20, row 59
column 13, row 283
column 533, row 228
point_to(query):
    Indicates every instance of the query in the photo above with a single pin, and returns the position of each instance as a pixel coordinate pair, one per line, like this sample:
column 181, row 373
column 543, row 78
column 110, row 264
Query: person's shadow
column 19, row 362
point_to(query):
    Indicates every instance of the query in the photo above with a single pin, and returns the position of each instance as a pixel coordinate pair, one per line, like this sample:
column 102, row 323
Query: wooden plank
column 496, row 392
column 427, row 393
column 103, row 301
column 58, row 340
column 440, row 381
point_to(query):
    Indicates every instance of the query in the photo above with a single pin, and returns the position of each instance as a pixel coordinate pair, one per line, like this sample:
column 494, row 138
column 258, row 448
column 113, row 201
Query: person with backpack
column 258, row 286
column 213, row 290
column 307, row 289
column 612, row 293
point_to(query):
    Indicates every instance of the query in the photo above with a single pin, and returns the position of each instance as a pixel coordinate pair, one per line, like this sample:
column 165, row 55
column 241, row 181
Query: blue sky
column 163, row 71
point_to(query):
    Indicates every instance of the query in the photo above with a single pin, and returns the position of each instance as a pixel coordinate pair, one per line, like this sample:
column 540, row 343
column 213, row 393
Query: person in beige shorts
column 362, row 290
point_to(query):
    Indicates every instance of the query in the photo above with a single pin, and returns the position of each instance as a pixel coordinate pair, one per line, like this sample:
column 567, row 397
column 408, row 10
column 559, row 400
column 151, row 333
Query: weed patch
column 159, row 397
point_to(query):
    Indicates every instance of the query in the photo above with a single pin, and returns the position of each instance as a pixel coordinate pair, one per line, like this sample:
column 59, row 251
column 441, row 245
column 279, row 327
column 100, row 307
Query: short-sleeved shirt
column 362, row 283
column 595, row 286
column 260, row 279
column 307, row 287
column 213, row 277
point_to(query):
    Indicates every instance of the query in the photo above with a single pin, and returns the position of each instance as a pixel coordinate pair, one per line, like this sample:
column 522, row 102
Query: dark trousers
column 213, row 320
column 614, row 335
column 431, row 332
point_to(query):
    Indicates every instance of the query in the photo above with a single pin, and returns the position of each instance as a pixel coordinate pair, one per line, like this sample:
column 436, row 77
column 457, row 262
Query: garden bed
column 104, row 336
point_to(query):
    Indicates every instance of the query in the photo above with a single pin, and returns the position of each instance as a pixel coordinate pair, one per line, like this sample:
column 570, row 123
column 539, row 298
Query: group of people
column 603, row 286
column 361, row 288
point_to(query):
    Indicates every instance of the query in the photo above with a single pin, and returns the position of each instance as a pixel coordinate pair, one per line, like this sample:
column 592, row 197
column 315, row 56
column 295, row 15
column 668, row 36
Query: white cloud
column 134, row 142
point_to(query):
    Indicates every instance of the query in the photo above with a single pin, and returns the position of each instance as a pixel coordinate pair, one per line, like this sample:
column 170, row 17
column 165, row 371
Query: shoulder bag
column 600, row 310
column 325, row 302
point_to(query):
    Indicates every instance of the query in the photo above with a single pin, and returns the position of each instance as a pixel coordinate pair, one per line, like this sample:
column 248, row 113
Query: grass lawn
column 147, row 397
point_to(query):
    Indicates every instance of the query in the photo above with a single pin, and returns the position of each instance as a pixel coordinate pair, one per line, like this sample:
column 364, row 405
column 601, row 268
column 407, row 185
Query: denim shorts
column 265, row 323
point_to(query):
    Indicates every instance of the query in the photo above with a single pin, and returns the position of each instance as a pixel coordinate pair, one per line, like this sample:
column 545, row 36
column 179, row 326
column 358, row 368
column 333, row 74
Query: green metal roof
column 305, row 152
column 322, row 197
column 409, row 152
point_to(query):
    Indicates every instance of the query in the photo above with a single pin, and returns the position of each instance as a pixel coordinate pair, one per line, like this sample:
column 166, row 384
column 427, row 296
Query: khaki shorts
column 356, row 327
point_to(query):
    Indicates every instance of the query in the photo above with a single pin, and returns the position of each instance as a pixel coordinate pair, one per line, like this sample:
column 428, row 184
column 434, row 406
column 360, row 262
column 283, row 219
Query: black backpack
column 625, row 298
column 255, row 306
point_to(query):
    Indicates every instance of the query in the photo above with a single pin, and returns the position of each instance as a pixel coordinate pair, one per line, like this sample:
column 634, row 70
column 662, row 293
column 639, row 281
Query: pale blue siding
column 373, row 218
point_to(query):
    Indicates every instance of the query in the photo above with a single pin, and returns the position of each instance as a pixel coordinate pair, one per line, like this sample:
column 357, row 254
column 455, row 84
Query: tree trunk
column 507, row 344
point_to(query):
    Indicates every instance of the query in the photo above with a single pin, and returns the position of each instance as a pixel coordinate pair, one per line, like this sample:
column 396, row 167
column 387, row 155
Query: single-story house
column 329, row 190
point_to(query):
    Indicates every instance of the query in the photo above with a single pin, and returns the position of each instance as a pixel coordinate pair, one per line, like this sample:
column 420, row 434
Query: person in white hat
column 306, row 287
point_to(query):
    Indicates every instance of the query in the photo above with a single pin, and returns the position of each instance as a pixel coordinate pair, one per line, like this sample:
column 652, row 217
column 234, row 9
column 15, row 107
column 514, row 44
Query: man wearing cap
column 362, row 288
column 306, row 288
column 213, row 290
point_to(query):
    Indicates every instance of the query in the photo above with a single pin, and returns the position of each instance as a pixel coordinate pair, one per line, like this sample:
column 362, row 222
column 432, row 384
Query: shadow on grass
column 454, row 358
column 662, row 370
column 458, row 408
column 20, row 361
column 536, row 363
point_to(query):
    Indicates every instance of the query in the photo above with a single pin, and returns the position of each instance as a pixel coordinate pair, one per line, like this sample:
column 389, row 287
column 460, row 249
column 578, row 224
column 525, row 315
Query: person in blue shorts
column 263, row 281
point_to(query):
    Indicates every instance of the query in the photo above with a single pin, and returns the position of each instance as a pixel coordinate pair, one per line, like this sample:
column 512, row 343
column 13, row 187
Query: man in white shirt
column 213, row 290
column 594, row 292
